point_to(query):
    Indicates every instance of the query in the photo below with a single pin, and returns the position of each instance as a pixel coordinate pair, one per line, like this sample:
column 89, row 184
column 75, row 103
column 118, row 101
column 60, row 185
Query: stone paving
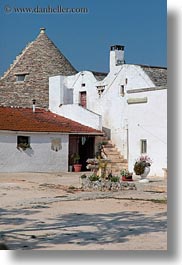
column 50, row 211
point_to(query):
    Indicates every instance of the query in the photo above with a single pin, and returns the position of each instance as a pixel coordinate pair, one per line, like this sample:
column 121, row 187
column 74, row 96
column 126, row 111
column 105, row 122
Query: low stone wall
column 106, row 185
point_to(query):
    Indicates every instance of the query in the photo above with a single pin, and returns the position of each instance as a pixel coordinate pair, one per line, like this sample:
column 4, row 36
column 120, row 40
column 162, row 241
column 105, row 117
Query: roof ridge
column 28, row 46
column 57, row 49
column 158, row 75
column 15, row 61
column 151, row 66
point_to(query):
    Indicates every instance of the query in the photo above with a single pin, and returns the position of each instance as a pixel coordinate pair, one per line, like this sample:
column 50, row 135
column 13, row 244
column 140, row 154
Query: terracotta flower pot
column 127, row 179
column 77, row 167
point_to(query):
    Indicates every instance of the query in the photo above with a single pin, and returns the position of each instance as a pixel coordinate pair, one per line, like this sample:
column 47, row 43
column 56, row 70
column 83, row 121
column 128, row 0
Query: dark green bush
column 94, row 177
column 114, row 179
column 83, row 176
column 139, row 167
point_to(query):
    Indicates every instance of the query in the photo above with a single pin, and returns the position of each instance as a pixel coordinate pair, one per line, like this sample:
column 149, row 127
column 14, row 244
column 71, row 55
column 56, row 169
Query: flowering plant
column 141, row 163
column 125, row 173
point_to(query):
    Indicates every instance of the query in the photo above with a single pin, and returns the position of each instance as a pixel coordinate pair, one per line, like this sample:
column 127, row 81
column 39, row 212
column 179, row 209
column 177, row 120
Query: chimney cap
column 42, row 30
column 117, row 47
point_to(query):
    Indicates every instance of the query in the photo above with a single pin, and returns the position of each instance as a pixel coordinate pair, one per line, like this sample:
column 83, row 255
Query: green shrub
column 83, row 176
column 114, row 179
column 94, row 177
column 139, row 167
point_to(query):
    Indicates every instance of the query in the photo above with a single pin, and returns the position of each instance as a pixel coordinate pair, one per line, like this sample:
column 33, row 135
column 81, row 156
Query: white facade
column 63, row 101
column 39, row 158
column 130, row 117
column 148, row 121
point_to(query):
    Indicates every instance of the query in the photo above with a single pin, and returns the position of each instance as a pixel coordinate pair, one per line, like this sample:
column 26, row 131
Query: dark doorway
column 86, row 149
column 83, row 99
column 83, row 145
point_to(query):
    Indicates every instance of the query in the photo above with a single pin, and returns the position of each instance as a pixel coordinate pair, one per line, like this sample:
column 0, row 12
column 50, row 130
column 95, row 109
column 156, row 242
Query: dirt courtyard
column 46, row 211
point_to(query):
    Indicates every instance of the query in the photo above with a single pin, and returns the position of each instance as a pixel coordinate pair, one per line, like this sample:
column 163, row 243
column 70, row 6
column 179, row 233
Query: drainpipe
column 127, row 139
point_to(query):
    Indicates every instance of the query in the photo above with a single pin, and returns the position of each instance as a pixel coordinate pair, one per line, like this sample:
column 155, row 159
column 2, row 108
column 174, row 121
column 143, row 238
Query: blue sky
column 85, row 39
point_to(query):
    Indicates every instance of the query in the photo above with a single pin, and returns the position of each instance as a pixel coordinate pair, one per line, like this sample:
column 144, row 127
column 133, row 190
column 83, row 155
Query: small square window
column 23, row 142
column 143, row 146
column 20, row 78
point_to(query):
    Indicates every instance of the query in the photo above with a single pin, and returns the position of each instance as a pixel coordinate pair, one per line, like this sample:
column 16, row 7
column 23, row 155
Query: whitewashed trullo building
column 129, row 104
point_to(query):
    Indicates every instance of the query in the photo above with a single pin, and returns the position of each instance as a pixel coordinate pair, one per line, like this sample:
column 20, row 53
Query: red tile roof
column 23, row 119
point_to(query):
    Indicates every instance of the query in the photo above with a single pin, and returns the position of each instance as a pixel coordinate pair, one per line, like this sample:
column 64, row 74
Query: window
column 20, row 77
column 23, row 142
column 122, row 90
column 143, row 143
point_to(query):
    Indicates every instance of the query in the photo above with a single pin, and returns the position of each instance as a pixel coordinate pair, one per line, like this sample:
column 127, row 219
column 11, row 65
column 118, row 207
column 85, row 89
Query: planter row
column 106, row 185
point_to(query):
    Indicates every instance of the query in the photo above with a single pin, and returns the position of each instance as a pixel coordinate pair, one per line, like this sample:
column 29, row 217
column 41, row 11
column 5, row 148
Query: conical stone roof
column 37, row 62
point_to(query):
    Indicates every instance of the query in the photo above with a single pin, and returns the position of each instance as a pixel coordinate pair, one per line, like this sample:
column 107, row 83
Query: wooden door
column 83, row 99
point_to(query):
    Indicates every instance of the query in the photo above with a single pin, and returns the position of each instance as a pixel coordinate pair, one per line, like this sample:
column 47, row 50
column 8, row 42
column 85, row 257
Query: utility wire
column 152, row 134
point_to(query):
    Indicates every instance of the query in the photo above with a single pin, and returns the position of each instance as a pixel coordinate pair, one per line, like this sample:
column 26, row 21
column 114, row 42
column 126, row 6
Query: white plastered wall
column 40, row 158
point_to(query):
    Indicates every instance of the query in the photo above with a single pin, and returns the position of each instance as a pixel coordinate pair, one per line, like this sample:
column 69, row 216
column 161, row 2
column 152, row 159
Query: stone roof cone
column 39, row 60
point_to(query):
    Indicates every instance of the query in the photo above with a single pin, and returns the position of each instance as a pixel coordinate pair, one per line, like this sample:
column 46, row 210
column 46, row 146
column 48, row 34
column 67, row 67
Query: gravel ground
column 50, row 211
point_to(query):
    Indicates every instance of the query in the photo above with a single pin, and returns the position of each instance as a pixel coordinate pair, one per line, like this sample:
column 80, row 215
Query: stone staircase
column 117, row 160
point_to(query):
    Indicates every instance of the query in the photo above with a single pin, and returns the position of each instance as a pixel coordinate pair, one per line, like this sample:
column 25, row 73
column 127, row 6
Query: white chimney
column 33, row 106
column 116, row 57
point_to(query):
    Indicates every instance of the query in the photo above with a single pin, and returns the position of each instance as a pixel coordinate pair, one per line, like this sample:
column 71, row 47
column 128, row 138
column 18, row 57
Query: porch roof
column 24, row 119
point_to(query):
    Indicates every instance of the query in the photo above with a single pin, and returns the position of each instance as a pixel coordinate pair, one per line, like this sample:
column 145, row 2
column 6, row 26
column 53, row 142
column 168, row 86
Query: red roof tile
column 23, row 119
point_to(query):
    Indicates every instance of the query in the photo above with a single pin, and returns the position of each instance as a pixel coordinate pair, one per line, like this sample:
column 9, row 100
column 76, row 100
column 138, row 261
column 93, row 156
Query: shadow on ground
column 78, row 229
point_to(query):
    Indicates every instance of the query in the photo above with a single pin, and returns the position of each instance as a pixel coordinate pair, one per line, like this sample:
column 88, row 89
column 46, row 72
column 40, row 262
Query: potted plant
column 23, row 146
column 126, row 175
column 142, row 166
column 77, row 167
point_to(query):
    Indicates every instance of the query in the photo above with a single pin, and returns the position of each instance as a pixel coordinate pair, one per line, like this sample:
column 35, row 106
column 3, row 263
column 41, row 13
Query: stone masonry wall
column 39, row 60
